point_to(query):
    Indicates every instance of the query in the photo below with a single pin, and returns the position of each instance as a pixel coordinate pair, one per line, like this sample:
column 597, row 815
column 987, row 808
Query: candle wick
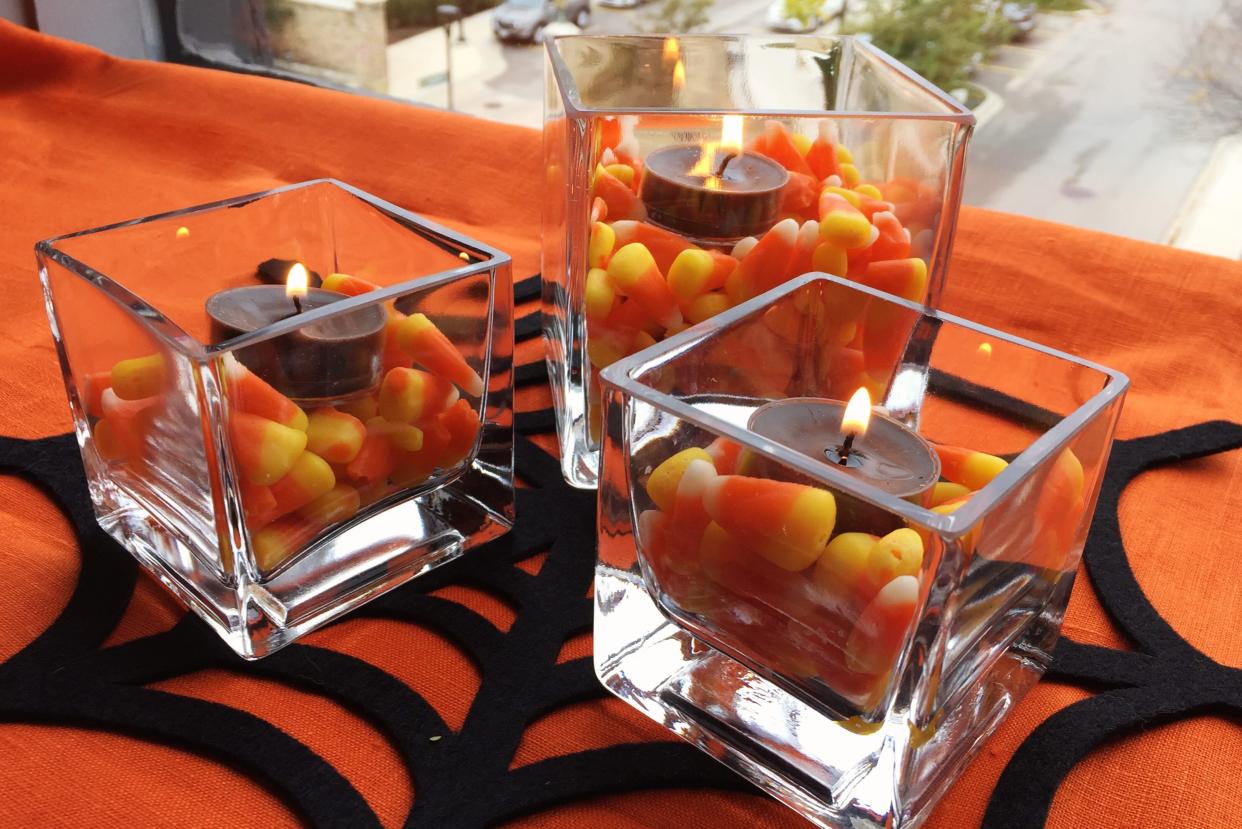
column 297, row 303
column 720, row 171
column 846, row 447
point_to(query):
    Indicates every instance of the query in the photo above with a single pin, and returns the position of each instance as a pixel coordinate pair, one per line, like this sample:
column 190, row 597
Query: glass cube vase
column 843, row 633
column 276, row 456
column 685, row 175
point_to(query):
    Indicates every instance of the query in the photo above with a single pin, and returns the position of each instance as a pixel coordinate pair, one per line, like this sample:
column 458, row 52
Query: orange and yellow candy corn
column 334, row 436
column 265, row 450
column 408, row 395
column 427, row 344
column 633, row 272
column 788, row 524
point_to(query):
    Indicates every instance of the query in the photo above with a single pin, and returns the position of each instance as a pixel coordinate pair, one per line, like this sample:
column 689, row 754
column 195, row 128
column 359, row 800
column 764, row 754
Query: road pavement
column 1098, row 129
column 1096, row 125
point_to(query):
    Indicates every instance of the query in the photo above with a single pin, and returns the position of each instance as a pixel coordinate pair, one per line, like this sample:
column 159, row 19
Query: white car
column 780, row 20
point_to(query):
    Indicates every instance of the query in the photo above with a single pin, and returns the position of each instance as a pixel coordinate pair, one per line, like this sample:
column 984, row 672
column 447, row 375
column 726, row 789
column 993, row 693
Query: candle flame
column 297, row 280
column 731, row 134
column 679, row 75
column 672, row 50
column 857, row 414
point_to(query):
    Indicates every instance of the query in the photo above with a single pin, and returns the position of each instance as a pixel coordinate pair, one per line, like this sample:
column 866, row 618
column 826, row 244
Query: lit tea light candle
column 714, row 192
column 331, row 359
column 871, row 446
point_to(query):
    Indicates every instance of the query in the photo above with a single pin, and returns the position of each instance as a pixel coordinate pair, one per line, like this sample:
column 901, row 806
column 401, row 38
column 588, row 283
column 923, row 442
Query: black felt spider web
column 463, row 779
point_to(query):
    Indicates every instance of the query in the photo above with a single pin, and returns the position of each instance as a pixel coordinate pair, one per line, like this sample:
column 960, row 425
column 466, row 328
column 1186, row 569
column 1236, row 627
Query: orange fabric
column 86, row 140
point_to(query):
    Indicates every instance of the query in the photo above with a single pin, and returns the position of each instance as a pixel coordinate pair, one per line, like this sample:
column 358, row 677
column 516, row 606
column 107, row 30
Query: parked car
column 621, row 4
column 1018, row 17
column 525, row 20
column 779, row 18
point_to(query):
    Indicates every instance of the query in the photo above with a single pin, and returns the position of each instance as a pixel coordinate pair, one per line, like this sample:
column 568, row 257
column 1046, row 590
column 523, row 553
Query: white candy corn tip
column 744, row 247
column 607, row 157
column 711, row 495
column 808, row 234
column 694, row 479
column 786, row 230
column 648, row 522
column 885, row 215
column 903, row 590
column 833, row 181
column 624, row 231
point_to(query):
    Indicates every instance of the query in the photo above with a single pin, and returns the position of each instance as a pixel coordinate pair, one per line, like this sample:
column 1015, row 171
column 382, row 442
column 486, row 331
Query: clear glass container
column 687, row 174
column 276, row 457
column 842, row 635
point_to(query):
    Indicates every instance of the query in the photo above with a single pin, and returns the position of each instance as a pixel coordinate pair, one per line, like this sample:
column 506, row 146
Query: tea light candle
column 713, row 192
column 873, row 447
column 329, row 360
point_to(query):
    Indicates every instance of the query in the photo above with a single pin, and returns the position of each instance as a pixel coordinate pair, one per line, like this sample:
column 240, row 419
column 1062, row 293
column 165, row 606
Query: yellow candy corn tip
column 979, row 469
column 630, row 263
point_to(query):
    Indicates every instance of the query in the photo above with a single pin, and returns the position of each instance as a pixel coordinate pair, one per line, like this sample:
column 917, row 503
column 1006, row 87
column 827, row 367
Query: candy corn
column 93, row 386
column 724, row 454
column 878, row 636
column 343, row 283
column 340, row 503
column 248, row 392
column 690, row 518
column 420, row 338
column 842, row 568
column 777, row 144
column 892, row 240
column 906, row 278
column 258, row 504
column 374, row 462
column 600, row 298
column 900, row 553
column 462, row 423
column 407, row 395
column 766, row 264
column 280, row 540
column 691, row 274
column 139, row 377
column 404, row 437
column 787, row 523
column 417, row 466
column 308, row 478
column 264, row 449
column 706, row 307
column 664, row 479
column 822, row 156
column 830, row 258
column 972, row 469
column 633, row 272
column 600, row 247
column 334, row 436
column 943, row 492
column 621, row 201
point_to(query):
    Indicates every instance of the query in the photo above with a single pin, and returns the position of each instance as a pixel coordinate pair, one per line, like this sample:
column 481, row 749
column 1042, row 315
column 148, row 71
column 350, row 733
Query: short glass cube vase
column 687, row 174
column 287, row 403
column 836, row 600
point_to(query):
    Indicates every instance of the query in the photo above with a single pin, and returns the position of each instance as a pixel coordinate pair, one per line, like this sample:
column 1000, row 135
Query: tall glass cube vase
column 688, row 174
column 840, row 601
column 287, row 403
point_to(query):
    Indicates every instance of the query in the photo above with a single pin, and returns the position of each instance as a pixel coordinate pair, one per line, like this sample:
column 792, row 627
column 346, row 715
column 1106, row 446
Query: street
column 1090, row 123
column 1096, row 130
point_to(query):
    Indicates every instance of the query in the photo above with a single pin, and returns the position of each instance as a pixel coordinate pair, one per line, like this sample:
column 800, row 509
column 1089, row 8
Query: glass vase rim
column 178, row 339
column 622, row 376
column 955, row 111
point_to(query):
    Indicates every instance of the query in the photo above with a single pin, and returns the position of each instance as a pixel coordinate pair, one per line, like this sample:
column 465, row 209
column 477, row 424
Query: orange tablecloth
column 86, row 140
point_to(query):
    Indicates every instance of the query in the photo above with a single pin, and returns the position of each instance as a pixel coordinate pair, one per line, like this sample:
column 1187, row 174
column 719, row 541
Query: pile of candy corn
column 645, row 282
column 763, row 563
column 299, row 472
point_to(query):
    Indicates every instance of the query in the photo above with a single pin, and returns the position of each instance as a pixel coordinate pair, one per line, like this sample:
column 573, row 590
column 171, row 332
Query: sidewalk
column 1209, row 220
column 488, row 79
